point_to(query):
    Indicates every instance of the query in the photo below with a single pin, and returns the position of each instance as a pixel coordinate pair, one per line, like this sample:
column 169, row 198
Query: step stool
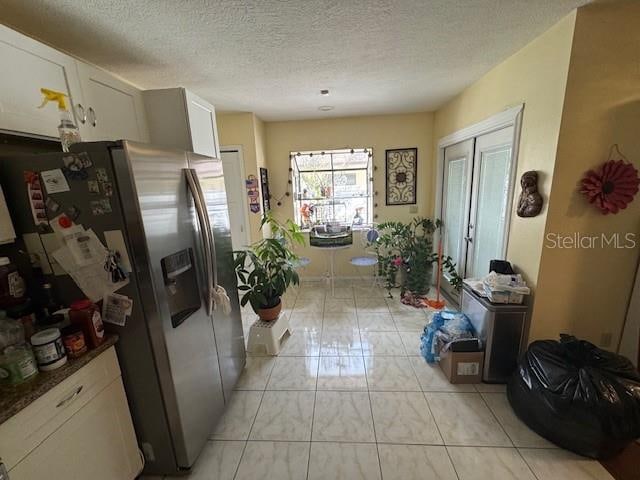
column 268, row 335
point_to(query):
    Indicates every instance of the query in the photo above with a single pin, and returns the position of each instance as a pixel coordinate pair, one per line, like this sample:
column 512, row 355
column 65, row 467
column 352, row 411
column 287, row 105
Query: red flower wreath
column 612, row 187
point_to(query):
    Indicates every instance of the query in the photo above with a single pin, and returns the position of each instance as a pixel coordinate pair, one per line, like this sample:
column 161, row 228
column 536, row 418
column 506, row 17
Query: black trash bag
column 577, row 396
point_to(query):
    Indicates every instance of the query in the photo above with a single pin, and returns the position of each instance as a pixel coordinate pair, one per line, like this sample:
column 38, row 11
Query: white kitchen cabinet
column 28, row 66
column 112, row 110
column 104, row 107
column 98, row 442
column 181, row 119
column 79, row 429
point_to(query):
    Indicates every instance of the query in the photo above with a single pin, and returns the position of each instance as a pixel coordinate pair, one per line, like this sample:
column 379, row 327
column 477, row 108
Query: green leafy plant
column 267, row 268
column 408, row 247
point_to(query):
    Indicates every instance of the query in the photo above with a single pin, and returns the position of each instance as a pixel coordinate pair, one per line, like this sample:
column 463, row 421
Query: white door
column 28, row 66
column 476, row 201
column 456, row 192
column 490, row 201
column 113, row 109
column 202, row 126
column 234, row 182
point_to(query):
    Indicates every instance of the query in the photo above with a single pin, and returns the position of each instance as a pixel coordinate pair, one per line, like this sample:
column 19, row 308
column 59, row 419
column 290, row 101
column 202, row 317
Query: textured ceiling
column 272, row 57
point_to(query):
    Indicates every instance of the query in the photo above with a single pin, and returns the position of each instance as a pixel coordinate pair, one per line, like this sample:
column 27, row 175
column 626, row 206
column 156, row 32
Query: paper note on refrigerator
column 116, row 308
column 92, row 278
column 54, row 181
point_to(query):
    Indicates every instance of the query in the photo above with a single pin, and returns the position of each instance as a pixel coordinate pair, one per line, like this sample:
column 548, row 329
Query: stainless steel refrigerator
column 180, row 356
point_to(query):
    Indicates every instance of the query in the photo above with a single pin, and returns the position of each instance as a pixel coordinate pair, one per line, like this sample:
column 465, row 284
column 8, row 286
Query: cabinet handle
column 69, row 397
column 81, row 113
column 92, row 116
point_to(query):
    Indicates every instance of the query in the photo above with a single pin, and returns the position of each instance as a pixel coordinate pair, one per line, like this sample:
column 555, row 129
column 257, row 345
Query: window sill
column 356, row 228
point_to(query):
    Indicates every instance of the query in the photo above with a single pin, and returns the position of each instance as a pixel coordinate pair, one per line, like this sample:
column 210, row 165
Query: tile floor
column 350, row 398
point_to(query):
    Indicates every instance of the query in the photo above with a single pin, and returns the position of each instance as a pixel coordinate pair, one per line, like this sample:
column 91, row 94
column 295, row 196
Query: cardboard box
column 462, row 367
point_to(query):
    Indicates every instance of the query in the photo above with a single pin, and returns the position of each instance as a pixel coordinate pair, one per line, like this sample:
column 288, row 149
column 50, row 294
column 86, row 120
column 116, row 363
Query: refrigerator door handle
column 203, row 221
column 212, row 244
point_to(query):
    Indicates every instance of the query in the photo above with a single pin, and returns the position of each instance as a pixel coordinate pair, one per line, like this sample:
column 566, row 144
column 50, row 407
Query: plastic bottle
column 11, row 331
column 17, row 365
column 86, row 314
column 12, row 287
column 69, row 133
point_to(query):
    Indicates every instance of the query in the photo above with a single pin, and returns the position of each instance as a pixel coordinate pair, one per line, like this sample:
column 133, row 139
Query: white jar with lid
column 49, row 349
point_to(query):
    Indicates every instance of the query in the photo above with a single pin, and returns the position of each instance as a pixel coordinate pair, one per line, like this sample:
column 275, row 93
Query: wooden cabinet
column 104, row 107
column 28, row 66
column 80, row 429
column 112, row 110
column 181, row 119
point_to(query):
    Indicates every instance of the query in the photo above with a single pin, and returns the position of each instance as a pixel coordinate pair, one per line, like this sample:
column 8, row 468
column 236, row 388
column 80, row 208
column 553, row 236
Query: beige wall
column 585, row 291
column 378, row 132
column 535, row 76
column 247, row 130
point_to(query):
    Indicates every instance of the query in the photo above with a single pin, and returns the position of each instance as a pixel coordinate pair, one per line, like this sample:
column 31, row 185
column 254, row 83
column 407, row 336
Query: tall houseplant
column 408, row 248
column 266, row 268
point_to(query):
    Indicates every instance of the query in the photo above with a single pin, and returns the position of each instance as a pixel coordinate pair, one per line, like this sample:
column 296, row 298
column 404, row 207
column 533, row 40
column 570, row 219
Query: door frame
column 243, row 173
column 510, row 117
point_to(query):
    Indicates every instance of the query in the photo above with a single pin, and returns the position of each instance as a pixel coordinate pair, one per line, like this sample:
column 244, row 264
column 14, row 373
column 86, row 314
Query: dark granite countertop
column 14, row 399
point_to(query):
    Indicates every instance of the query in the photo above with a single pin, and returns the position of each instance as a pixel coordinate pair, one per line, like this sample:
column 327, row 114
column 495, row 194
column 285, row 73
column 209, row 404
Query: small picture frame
column 94, row 187
column 401, row 176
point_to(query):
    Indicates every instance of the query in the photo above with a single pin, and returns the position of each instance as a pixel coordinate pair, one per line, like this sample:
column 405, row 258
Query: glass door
column 456, row 191
column 490, row 202
column 476, row 201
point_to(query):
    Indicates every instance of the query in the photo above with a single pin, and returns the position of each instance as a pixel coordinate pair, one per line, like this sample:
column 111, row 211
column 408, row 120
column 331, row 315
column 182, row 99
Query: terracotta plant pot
column 270, row 314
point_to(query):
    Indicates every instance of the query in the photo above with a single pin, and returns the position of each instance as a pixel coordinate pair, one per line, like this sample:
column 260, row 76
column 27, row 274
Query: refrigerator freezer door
column 227, row 327
column 162, row 226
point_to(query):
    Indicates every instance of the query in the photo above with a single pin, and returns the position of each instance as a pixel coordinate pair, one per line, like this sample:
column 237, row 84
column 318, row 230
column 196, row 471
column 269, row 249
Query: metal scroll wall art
column 613, row 185
column 401, row 174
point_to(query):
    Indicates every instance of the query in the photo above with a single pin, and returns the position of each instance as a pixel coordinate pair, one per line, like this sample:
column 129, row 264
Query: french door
column 476, row 202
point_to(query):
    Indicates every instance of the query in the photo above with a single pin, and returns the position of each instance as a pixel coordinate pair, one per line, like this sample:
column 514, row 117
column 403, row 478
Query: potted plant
column 406, row 257
column 266, row 268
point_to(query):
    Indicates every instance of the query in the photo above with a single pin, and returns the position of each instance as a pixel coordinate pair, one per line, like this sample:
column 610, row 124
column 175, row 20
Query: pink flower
column 397, row 261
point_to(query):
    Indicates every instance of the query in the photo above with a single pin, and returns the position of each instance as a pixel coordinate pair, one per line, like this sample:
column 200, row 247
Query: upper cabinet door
column 113, row 109
column 28, row 66
column 202, row 126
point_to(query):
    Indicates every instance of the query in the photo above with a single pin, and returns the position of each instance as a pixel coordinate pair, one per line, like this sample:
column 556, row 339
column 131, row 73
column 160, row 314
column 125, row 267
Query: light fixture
column 326, row 108
column 324, row 92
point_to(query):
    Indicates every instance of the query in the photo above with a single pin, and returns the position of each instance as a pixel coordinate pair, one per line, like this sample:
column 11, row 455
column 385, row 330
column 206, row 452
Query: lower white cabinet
column 97, row 443
column 80, row 429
